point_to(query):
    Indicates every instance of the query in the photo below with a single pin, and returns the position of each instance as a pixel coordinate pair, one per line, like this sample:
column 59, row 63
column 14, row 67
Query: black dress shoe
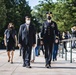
column 28, row 67
column 47, row 66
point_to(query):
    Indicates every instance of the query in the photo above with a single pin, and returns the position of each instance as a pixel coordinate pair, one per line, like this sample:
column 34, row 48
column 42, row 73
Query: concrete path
column 59, row 67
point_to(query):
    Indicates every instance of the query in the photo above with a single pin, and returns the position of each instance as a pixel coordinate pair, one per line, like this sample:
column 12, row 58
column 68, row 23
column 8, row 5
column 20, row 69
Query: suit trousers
column 26, row 54
column 48, row 52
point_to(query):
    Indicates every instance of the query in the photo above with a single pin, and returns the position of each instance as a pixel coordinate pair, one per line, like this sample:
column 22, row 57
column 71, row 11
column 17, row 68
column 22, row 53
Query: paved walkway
column 60, row 67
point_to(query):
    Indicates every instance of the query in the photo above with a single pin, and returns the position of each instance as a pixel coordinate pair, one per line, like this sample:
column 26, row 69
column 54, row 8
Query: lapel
column 46, row 24
column 24, row 28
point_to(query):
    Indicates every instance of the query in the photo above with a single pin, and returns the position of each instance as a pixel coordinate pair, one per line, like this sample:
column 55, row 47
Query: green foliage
column 2, row 14
column 13, row 11
column 1, row 38
column 16, row 11
column 64, row 12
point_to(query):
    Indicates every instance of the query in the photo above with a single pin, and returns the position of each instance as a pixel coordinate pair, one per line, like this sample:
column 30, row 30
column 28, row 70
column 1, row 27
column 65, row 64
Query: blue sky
column 33, row 3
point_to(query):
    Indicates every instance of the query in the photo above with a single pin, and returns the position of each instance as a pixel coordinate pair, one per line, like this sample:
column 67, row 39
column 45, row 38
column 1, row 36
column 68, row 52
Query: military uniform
column 49, row 33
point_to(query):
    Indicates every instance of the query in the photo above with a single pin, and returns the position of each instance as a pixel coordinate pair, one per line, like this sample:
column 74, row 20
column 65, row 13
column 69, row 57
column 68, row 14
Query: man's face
column 49, row 15
column 27, row 20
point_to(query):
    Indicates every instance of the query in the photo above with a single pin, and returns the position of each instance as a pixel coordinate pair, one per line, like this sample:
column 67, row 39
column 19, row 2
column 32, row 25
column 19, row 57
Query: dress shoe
column 28, row 67
column 47, row 66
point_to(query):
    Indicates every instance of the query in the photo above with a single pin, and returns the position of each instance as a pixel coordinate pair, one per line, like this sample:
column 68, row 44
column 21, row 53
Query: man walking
column 26, row 40
column 48, row 34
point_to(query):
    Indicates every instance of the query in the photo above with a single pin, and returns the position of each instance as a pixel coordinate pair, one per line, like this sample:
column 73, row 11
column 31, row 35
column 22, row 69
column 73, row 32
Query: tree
column 2, row 15
column 66, row 18
column 64, row 12
column 16, row 11
column 12, row 11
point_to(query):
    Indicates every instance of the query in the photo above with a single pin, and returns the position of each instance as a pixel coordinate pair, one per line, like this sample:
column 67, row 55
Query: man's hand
column 56, row 41
column 19, row 45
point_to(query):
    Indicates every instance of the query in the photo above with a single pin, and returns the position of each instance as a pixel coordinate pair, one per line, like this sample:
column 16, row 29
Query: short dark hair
column 27, row 17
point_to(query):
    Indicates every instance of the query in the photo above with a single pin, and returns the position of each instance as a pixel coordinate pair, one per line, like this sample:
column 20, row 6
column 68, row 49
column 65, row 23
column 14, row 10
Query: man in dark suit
column 26, row 40
column 48, row 34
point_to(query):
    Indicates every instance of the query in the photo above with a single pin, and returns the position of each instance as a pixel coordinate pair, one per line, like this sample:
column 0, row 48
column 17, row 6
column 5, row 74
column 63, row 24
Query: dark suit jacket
column 49, row 31
column 22, row 36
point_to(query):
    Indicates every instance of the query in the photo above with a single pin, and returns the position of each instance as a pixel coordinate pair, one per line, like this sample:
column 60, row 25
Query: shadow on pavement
column 63, row 67
column 55, row 67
